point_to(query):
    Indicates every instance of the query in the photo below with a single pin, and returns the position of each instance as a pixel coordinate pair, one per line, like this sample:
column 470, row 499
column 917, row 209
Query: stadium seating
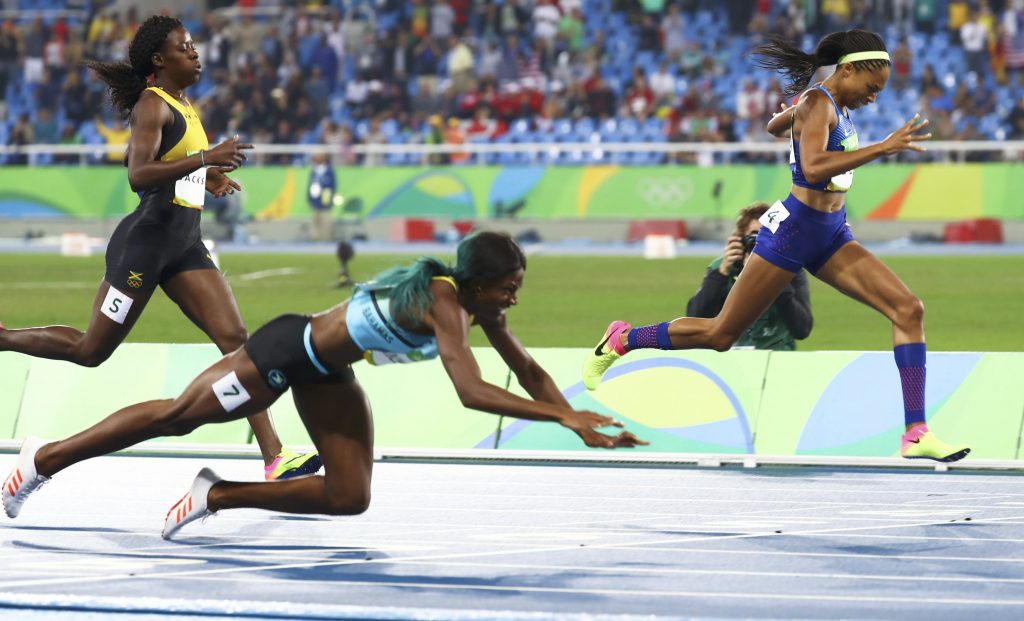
column 707, row 29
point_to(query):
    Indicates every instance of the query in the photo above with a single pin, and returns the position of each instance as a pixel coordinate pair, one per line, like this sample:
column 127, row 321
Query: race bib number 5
column 116, row 305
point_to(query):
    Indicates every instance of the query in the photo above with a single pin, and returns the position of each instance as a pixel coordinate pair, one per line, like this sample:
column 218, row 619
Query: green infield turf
column 973, row 303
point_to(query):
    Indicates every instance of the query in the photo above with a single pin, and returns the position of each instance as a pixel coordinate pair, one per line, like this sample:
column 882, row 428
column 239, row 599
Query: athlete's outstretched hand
column 228, row 155
column 906, row 137
column 583, row 423
column 219, row 184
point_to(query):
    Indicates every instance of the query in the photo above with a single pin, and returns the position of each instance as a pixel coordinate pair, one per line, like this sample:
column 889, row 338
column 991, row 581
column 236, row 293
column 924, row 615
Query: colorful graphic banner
column 886, row 192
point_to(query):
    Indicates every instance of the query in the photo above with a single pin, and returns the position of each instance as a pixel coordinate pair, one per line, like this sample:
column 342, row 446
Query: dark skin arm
column 532, row 377
column 450, row 324
column 816, row 118
column 149, row 116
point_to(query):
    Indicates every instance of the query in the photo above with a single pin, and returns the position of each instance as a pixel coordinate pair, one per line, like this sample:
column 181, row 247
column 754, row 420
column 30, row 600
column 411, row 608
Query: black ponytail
column 782, row 55
column 128, row 80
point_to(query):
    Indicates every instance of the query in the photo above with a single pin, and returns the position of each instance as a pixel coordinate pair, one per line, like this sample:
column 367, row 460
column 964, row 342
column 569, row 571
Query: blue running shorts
column 795, row 236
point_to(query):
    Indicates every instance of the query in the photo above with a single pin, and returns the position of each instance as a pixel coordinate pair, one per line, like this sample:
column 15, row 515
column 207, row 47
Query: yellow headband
column 852, row 58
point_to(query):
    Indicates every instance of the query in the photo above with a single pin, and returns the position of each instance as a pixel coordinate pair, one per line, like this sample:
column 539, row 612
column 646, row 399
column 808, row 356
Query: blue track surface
column 478, row 541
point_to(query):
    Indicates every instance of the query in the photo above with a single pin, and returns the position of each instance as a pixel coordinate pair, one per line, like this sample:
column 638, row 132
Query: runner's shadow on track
column 207, row 553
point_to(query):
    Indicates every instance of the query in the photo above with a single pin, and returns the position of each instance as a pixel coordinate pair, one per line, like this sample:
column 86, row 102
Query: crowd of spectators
column 454, row 71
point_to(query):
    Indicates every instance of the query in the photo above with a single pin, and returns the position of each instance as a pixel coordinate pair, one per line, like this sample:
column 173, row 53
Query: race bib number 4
column 772, row 218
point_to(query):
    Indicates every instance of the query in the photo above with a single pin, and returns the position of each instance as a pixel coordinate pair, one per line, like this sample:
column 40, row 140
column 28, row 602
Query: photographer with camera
column 786, row 321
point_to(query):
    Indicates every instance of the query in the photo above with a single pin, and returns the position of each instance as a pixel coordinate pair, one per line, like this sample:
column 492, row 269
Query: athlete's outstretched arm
column 450, row 324
column 815, row 118
column 145, row 171
column 532, row 377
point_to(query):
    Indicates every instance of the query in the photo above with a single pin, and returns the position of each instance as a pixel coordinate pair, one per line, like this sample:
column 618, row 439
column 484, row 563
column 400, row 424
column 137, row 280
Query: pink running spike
column 613, row 336
column 913, row 435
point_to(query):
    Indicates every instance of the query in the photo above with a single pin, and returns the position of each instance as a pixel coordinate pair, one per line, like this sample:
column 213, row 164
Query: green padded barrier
column 850, row 403
column 771, row 403
column 793, row 385
column 696, row 401
column 987, row 409
column 62, row 398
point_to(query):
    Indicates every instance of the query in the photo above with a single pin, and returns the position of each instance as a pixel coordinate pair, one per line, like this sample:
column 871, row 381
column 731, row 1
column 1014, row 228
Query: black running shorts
column 283, row 352
column 150, row 246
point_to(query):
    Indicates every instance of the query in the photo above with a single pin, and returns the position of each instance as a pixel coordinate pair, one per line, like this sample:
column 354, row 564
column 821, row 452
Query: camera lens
column 748, row 242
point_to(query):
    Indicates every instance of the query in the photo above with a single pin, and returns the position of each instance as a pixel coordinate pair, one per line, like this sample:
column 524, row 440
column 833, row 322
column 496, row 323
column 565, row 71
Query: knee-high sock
column 910, row 360
column 650, row 337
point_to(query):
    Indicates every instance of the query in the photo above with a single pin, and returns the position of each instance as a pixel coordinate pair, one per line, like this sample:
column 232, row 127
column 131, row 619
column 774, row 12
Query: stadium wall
column 845, row 404
column 894, row 192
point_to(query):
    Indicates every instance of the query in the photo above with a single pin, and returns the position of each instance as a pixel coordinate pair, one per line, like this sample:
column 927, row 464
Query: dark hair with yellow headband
column 782, row 55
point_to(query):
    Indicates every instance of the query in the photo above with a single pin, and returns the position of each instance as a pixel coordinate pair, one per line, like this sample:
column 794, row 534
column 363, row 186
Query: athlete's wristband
column 202, row 157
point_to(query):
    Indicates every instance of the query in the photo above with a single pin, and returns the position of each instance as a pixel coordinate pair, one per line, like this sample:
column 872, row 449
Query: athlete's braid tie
column 148, row 40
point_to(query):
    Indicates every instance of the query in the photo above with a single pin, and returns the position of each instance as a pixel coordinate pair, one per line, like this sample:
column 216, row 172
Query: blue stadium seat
column 584, row 125
column 609, row 127
column 562, row 127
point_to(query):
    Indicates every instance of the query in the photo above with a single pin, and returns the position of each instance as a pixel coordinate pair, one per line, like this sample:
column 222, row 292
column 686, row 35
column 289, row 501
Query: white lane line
column 920, row 537
column 841, row 555
column 745, row 499
column 443, row 489
column 281, row 271
column 438, row 557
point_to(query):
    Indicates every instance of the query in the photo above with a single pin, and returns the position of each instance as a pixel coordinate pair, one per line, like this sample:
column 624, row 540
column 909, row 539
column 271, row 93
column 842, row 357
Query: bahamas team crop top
column 374, row 330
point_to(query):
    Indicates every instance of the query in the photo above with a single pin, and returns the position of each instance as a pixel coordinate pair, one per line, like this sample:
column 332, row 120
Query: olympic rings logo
column 664, row 193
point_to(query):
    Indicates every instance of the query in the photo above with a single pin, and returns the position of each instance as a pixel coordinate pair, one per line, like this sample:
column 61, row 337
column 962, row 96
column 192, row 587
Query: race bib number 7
column 230, row 392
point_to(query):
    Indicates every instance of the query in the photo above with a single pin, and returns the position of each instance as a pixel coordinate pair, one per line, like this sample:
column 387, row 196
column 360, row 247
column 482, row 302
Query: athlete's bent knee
column 230, row 341
column 91, row 359
column 910, row 312
column 719, row 339
column 352, row 503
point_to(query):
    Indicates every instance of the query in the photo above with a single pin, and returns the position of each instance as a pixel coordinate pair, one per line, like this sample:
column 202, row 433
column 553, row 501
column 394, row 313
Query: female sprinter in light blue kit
column 808, row 229
column 405, row 315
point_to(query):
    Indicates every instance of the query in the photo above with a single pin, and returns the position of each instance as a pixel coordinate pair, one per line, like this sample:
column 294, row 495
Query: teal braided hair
column 481, row 258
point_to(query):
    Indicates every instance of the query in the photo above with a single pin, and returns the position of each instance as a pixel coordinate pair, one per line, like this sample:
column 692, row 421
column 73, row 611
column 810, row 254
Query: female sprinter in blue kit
column 808, row 228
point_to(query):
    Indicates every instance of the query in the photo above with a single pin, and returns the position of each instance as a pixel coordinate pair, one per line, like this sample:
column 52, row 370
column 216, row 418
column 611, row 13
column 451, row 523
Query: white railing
column 545, row 152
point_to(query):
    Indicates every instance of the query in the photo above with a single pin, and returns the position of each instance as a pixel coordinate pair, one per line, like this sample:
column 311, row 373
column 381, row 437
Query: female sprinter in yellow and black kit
column 172, row 167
